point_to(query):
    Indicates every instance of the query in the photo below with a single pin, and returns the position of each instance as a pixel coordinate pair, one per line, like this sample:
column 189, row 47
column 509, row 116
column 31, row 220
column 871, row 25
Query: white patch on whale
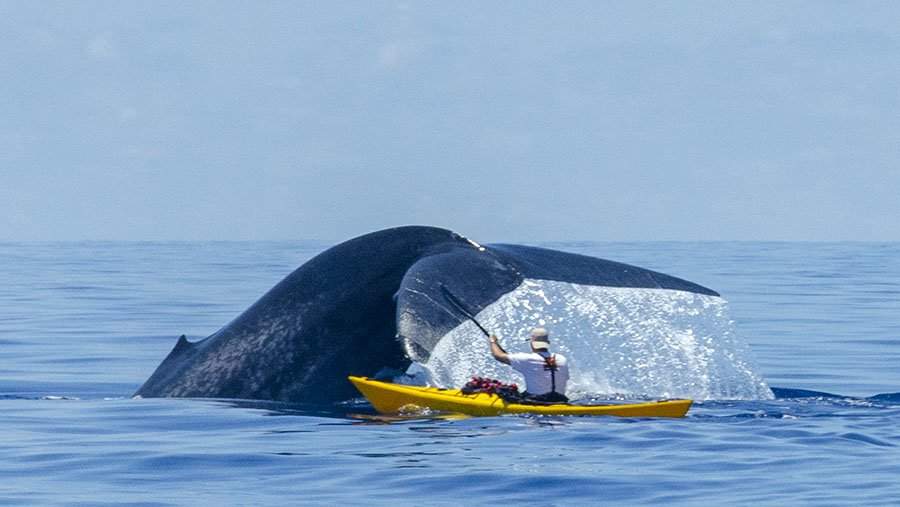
column 619, row 341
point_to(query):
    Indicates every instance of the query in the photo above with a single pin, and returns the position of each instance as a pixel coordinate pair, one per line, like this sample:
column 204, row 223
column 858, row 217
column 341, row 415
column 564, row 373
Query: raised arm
column 497, row 351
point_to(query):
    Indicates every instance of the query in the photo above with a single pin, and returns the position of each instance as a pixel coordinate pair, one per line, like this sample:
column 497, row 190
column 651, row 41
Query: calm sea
column 82, row 325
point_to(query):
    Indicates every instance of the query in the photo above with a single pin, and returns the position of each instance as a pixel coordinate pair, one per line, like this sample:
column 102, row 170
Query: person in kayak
column 545, row 374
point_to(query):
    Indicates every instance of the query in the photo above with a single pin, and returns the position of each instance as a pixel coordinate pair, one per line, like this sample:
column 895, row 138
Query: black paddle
column 459, row 306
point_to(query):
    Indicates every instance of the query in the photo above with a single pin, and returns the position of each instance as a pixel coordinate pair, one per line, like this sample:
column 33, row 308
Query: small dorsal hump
column 182, row 345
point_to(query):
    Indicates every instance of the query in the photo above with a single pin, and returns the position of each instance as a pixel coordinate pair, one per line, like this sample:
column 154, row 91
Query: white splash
column 619, row 341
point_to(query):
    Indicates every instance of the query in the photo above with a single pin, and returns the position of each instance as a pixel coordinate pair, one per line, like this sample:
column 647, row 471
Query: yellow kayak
column 391, row 398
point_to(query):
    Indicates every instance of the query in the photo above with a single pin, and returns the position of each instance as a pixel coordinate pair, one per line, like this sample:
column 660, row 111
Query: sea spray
column 619, row 341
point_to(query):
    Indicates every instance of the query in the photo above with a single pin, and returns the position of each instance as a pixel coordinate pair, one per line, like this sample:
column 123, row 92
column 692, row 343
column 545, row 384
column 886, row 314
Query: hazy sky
column 503, row 121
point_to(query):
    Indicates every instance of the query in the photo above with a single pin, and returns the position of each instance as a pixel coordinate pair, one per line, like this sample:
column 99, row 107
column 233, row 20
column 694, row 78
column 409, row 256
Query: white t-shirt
column 537, row 379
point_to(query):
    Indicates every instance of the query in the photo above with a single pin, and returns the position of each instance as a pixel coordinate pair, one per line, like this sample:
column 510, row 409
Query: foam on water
column 619, row 341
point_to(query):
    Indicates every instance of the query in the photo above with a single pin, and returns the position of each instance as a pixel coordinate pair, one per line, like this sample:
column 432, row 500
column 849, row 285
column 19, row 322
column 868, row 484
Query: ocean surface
column 82, row 325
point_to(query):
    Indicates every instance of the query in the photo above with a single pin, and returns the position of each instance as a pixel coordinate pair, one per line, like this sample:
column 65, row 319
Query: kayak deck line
column 389, row 398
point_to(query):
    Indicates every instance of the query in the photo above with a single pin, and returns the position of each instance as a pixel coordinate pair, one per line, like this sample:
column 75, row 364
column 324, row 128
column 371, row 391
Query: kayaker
column 545, row 373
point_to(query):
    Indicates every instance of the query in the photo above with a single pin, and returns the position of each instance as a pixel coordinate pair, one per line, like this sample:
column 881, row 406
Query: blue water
column 83, row 324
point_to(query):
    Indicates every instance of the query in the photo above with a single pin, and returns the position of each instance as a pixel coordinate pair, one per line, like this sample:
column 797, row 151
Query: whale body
column 373, row 302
